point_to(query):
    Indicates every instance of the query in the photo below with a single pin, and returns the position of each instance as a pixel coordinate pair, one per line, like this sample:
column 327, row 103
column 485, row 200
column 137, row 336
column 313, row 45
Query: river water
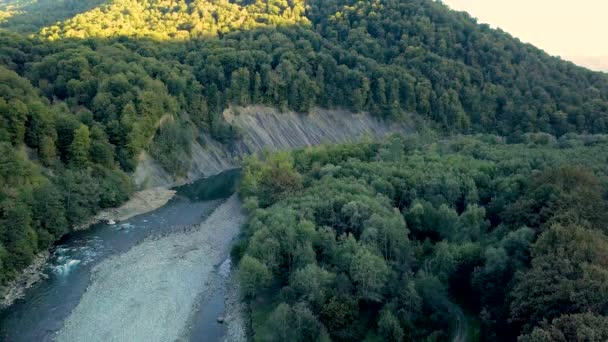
column 41, row 314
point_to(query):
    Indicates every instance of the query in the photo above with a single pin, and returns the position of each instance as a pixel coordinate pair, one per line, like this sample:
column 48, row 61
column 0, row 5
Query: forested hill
column 386, row 57
column 87, row 85
column 442, row 64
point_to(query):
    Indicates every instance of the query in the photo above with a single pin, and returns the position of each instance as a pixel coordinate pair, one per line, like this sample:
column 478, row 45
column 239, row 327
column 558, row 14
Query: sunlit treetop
column 177, row 19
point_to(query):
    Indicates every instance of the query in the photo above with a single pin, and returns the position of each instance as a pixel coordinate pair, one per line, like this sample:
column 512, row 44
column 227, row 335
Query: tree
column 101, row 151
column 369, row 272
column 312, row 284
column 389, row 327
column 570, row 328
column 253, row 276
column 81, row 194
column 115, row 188
column 472, row 224
column 17, row 233
column 340, row 246
column 295, row 323
column 48, row 215
column 339, row 313
column 278, row 179
column 280, row 320
column 256, row 93
column 17, row 115
column 80, row 147
column 569, row 275
column 240, row 92
column 388, row 235
column 47, row 150
column 565, row 195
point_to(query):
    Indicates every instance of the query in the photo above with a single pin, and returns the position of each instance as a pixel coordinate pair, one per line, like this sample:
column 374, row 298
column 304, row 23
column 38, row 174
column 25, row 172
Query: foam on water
column 66, row 267
column 125, row 227
column 64, row 260
column 89, row 256
column 62, row 250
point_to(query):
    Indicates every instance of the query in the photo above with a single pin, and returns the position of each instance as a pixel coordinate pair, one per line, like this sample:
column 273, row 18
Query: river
column 157, row 276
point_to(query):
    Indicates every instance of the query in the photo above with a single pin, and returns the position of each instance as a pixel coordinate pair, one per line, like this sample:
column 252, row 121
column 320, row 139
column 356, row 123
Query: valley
column 274, row 170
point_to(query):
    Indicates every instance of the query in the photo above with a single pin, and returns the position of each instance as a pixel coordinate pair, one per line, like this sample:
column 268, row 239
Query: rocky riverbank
column 235, row 312
column 31, row 275
column 141, row 202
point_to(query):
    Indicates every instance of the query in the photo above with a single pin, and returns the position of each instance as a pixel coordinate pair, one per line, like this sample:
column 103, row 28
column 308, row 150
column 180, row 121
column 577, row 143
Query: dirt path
column 460, row 333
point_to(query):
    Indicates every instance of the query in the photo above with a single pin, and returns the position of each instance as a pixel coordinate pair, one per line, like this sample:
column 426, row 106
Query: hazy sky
column 567, row 28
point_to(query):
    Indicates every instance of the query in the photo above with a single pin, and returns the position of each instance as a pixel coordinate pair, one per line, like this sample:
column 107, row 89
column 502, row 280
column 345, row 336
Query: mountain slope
column 496, row 77
column 415, row 55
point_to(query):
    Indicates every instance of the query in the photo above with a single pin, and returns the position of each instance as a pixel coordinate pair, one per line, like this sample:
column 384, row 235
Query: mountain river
column 159, row 276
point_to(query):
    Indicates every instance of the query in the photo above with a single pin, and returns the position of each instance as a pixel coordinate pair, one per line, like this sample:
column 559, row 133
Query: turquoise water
column 41, row 313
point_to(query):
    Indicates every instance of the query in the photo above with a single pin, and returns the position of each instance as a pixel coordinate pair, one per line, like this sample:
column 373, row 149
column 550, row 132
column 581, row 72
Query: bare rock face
column 267, row 128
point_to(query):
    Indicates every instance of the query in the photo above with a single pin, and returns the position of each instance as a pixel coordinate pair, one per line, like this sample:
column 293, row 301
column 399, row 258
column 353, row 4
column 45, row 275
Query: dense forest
column 396, row 240
column 87, row 86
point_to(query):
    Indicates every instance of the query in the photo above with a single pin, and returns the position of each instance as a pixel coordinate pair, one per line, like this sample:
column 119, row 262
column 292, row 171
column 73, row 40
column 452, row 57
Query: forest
column 394, row 240
column 89, row 86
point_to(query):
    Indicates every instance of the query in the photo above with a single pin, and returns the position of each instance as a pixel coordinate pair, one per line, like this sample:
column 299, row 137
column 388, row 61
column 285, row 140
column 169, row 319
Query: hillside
column 91, row 90
column 384, row 57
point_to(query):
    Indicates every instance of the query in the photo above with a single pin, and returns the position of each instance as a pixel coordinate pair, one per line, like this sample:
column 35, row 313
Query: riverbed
column 159, row 276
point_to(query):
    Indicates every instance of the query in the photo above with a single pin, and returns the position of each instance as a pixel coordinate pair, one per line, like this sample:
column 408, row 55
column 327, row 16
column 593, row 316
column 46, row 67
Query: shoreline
column 27, row 278
column 236, row 329
column 140, row 203
column 156, row 284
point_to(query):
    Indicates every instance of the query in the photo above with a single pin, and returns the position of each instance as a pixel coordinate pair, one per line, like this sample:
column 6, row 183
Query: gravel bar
column 149, row 292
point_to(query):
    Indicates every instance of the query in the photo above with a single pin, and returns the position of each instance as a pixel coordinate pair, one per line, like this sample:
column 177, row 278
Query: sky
column 576, row 30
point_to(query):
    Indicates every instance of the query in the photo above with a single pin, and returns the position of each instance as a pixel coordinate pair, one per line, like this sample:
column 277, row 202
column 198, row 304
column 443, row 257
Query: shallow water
column 204, row 321
column 41, row 313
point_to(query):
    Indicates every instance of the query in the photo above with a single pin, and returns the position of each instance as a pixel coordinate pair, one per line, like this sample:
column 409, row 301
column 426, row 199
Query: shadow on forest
column 33, row 15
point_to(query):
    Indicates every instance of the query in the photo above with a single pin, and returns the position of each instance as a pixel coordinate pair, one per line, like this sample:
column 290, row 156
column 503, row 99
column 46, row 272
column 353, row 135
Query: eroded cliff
column 267, row 128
